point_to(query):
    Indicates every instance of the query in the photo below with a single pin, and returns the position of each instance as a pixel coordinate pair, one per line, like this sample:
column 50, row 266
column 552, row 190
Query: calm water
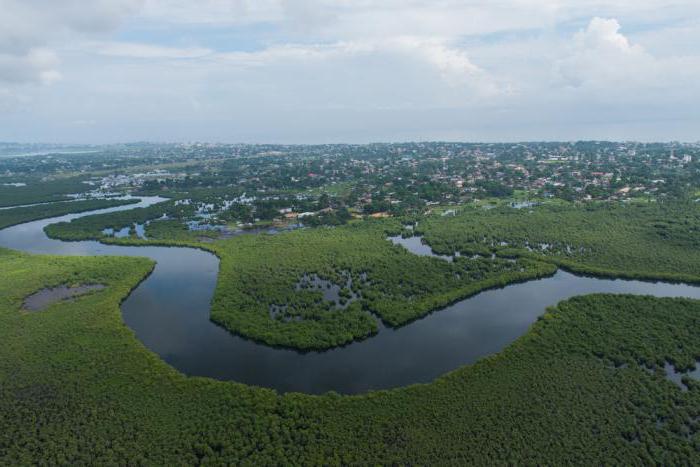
column 169, row 313
column 416, row 246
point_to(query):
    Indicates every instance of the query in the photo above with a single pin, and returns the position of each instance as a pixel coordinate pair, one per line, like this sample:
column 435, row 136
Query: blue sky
column 307, row 71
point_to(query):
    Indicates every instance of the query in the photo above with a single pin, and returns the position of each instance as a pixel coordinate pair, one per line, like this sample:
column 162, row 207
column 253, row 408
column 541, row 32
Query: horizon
column 74, row 144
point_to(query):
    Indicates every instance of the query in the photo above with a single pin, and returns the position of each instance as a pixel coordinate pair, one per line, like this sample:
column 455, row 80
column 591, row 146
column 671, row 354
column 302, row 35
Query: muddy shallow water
column 47, row 297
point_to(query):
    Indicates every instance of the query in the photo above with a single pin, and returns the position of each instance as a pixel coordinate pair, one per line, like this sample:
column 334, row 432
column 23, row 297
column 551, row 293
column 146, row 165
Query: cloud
column 209, row 12
column 37, row 65
column 604, row 34
column 362, row 19
column 29, row 29
column 148, row 51
column 453, row 64
column 224, row 69
column 394, row 73
column 601, row 55
column 602, row 63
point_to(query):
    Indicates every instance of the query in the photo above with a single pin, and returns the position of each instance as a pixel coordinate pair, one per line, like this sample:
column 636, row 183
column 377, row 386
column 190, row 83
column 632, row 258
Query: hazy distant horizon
column 78, row 148
column 675, row 134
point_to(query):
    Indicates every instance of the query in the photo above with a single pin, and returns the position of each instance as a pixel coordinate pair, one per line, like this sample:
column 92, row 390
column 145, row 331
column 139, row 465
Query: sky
column 327, row 71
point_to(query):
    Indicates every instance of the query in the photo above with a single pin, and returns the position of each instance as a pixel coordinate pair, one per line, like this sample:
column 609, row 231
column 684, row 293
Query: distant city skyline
column 332, row 71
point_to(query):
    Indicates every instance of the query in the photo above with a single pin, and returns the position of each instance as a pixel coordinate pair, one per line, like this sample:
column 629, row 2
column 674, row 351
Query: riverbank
column 170, row 314
column 78, row 387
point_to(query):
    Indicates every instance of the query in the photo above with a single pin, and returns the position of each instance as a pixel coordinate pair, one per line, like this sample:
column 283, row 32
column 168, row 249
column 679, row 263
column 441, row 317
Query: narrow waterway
column 169, row 313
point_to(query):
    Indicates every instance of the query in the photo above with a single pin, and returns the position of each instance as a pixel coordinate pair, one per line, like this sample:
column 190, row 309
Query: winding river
column 169, row 313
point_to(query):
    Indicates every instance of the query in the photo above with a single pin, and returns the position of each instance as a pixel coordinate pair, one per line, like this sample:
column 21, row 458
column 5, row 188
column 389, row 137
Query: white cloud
column 431, row 67
column 604, row 34
column 362, row 19
column 600, row 54
column 603, row 59
column 147, row 51
column 212, row 11
column 453, row 64
column 37, row 65
column 29, row 29
column 393, row 73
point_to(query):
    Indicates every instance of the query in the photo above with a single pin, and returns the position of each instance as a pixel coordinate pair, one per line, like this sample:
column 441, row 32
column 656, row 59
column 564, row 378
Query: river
column 169, row 314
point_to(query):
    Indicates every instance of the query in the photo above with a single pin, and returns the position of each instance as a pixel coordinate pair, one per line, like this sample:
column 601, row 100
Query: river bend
column 169, row 313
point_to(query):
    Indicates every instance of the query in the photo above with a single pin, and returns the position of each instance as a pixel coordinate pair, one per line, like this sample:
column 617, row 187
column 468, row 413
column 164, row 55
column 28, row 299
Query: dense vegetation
column 21, row 215
column 76, row 387
column 637, row 240
column 587, row 384
column 259, row 294
column 40, row 191
column 91, row 227
column 162, row 222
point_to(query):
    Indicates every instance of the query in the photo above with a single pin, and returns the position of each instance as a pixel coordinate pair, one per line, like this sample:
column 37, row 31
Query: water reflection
column 169, row 313
column 417, row 246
